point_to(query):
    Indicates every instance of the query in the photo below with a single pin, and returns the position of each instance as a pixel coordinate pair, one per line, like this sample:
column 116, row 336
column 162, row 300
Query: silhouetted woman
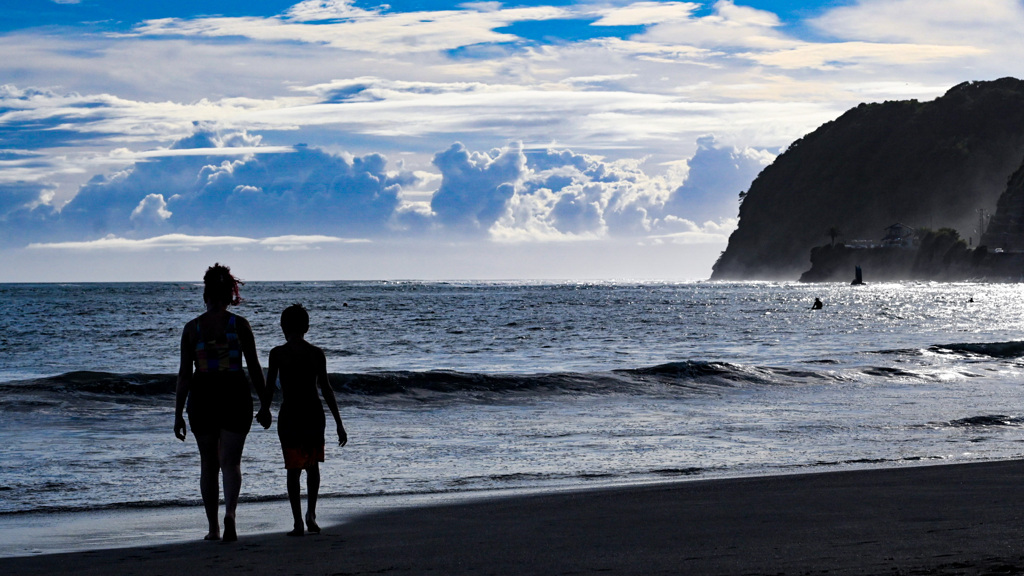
column 218, row 394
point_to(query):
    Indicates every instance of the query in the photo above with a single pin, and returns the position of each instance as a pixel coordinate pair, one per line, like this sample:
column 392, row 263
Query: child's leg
column 294, row 498
column 312, row 490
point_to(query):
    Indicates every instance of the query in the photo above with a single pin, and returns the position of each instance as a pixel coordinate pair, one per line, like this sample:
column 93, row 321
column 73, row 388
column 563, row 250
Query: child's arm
column 268, row 391
column 332, row 402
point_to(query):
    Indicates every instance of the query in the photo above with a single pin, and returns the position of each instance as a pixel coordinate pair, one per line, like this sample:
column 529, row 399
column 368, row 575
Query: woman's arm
column 252, row 362
column 183, row 383
column 332, row 402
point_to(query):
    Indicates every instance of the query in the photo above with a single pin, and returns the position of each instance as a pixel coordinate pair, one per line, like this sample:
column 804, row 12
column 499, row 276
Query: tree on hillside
column 832, row 233
column 938, row 249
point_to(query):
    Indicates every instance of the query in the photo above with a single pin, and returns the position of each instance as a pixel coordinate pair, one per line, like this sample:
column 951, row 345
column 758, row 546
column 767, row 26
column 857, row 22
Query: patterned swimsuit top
column 219, row 355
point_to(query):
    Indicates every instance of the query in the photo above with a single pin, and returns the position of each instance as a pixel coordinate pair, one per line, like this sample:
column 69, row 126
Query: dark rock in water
column 928, row 165
column 858, row 278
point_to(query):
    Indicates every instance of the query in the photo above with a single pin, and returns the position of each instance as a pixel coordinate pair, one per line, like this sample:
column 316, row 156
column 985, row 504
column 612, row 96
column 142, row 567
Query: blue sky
column 429, row 139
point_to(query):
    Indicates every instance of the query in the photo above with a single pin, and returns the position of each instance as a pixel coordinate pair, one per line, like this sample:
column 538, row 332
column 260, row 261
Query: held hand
column 179, row 428
column 264, row 418
column 342, row 436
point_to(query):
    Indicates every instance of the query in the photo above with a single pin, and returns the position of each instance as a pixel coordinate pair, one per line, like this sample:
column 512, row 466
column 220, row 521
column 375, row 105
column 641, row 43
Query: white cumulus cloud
column 151, row 210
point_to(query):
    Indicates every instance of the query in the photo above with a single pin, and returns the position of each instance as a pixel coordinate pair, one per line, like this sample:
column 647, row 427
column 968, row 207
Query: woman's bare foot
column 311, row 524
column 212, row 536
column 297, row 531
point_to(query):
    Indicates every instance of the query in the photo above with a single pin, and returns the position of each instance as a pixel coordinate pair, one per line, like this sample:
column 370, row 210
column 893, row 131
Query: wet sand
column 951, row 519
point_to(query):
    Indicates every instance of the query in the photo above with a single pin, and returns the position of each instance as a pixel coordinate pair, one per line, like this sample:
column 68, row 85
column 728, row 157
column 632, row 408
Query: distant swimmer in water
column 817, row 304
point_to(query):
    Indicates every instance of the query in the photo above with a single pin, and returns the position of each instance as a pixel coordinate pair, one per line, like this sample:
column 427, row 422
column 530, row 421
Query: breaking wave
column 1013, row 349
column 690, row 377
column 674, row 378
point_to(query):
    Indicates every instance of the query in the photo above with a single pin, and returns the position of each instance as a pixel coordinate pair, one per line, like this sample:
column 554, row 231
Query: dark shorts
column 219, row 401
column 300, row 427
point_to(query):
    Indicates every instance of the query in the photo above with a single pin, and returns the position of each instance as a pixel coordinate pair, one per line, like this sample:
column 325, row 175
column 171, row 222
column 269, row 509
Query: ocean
column 470, row 387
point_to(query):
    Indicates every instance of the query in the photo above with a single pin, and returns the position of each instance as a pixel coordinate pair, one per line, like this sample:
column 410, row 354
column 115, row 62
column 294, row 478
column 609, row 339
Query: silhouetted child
column 301, row 422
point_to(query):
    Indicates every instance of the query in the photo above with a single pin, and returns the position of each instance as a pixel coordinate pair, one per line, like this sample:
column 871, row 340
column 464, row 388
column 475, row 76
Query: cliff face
column 1006, row 229
column 931, row 164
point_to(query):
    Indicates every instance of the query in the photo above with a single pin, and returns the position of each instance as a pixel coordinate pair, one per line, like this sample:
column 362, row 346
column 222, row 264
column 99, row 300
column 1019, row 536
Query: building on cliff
column 899, row 236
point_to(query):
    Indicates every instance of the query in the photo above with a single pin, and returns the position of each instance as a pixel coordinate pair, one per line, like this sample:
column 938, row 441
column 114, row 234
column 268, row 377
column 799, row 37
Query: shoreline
column 929, row 519
column 36, row 533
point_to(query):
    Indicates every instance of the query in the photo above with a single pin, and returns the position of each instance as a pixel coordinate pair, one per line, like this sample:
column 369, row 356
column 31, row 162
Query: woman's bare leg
column 231, row 445
column 209, row 480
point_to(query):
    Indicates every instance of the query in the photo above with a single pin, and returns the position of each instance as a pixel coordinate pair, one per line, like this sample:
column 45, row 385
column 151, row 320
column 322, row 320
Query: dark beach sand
column 953, row 519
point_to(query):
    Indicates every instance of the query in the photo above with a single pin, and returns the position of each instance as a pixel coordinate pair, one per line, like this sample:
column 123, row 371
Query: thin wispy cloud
column 642, row 13
column 340, row 25
column 126, row 154
column 862, row 54
column 185, row 242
